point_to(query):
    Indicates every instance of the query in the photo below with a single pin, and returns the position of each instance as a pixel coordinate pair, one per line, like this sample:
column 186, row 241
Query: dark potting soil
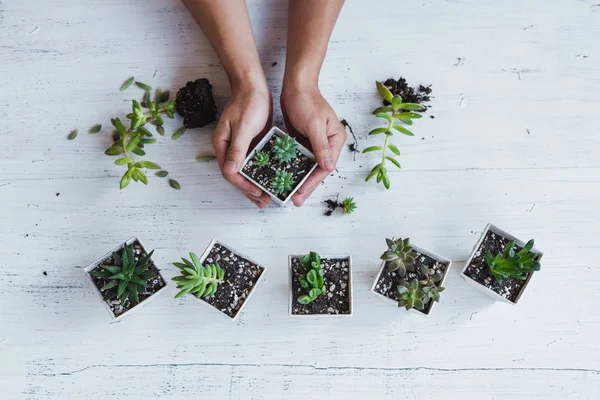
column 409, row 94
column 388, row 281
column 195, row 103
column 240, row 278
column 154, row 285
column 299, row 167
column 478, row 269
column 337, row 282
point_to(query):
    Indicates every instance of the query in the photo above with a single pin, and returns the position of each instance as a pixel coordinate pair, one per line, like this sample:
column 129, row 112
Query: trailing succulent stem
column 418, row 293
column 398, row 112
column 127, row 278
column 312, row 278
column 282, row 182
column 261, row 158
column 197, row 279
column 285, row 149
column 399, row 256
column 511, row 264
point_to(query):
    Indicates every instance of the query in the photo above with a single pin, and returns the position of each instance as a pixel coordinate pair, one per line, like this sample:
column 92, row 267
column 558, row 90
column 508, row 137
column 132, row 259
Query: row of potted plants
column 500, row 265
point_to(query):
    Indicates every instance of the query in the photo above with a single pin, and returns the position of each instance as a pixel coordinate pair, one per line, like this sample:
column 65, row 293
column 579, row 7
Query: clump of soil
column 154, row 285
column 479, row 271
column 337, row 282
column 299, row 167
column 195, row 103
column 387, row 283
column 239, row 280
column 409, row 94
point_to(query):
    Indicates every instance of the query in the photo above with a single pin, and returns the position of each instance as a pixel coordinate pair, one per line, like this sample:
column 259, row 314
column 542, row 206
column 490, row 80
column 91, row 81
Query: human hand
column 308, row 115
column 247, row 115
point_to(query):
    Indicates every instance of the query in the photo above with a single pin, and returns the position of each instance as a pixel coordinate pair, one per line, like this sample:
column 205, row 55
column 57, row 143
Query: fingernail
column 329, row 164
column 229, row 167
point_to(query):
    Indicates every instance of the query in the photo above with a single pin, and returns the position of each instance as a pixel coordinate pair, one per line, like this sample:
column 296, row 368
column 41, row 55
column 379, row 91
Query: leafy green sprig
column 203, row 281
column 397, row 112
column 311, row 279
column 282, row 182
column 511, row 264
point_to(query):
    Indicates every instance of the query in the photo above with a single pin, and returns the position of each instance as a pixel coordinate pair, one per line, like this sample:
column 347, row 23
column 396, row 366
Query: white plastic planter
column 241, row 255
column 440, row 259
column 485, row 289
column 278, row 132
column 99, row 293
column 350, row 287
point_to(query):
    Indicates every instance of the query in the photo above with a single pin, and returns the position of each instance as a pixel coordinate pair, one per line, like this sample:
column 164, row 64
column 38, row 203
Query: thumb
column 236, row 153
column 320, row 146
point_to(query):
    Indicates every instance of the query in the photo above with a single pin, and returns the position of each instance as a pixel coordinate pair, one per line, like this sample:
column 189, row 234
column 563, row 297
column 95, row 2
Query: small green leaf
column 411, row 107
column 384, row 92
column 411, row 115
column 162, row 174
column 205, row 158
column 373, row 172
column 178, row 133
column 147, row 164
column 396, row 103
column 114, row 150
column 394, row 161
column 402, row 129
column 384, row 116
column 73, row 134
column 164, row 97
column 372, row 148
column 147, row 141
column 160, row 130
column 404, row 119
column 126, row 84
column 394, row 149
column 138, row 152
column 95, row 128
column 119, row 125
column 377, row 131
column 122, row 161
column 174, row 184
column 125, row 180
column 143, row 86
column 133, row 142
column 141, row 176
column 382, row 109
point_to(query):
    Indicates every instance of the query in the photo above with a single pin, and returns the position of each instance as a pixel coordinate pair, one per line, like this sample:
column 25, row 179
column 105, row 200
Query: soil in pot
column 409, row 94
column 387, row 283
column 195, row 103
column 154, row 285
column 240, row 278
column 478, row 269
column 337, row 281
column 299, row 167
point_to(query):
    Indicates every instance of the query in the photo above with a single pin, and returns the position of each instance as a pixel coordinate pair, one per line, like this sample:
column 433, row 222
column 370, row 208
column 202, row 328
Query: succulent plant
column 429, row 284
column 396, row 112
column 312, row 279
column 282, row 182
column 348, row 205
column 410, row 294
column 197, row 279
column 261, row 158
column 285, row 148
column 509, row 264
column 128, row 277
column 399, row 255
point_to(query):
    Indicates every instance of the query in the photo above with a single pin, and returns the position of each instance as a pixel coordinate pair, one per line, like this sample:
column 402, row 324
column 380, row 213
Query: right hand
column 247, row 115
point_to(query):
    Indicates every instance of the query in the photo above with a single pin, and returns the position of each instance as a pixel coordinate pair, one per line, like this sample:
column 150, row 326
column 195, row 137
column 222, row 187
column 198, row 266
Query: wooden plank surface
column 515, row 142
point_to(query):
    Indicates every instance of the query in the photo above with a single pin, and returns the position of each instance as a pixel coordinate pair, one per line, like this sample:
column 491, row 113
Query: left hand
column 307, row 114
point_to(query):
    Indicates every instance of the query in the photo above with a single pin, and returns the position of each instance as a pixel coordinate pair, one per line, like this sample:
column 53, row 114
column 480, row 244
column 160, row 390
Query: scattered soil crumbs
column 478, row 269
column 419, row 95
column 240, row 279
column 154, row 285
column 388, row 281
column 337, row 281
column 299, row 167
column 195, row 104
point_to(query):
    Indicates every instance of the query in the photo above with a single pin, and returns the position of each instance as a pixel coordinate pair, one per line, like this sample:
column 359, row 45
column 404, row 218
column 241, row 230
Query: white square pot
column 99, row 293
column 485, row 289
column 278, row 132
column 239, row 254
column 350, row 287
column 440, row 259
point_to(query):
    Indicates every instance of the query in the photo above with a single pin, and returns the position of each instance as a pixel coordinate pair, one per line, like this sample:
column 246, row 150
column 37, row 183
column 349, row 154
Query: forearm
column 228, row 28
column 310, row 23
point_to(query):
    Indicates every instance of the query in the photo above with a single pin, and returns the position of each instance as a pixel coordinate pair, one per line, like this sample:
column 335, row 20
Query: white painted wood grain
column 514, row 142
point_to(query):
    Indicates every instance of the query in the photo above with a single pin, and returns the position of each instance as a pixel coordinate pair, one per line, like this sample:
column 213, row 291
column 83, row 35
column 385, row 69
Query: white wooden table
column 515, row 141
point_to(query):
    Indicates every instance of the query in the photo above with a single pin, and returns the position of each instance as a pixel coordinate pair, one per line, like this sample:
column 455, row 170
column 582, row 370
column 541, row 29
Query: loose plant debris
column 205, row 158
column 95, row 129
column 143, row 86
column 401, row 280
column 352, row 146
column 162, row 174
column 408, row 94
column 126, row 84
column 397, row 112
column 348, row 206
column 195, row 104
column 229, row 279
column 73, row 134
column 127, row 278
column 328, row 293
column 178, row 133
column 174, row 184
column 503, row 266
column 197, row 279
column 279, row 166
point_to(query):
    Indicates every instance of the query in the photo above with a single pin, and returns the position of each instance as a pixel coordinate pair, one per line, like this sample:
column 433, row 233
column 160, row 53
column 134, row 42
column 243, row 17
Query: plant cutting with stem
column 311, row 280
column 348, row 206
column 397, row 112
column 511, row 264
column 202, row 281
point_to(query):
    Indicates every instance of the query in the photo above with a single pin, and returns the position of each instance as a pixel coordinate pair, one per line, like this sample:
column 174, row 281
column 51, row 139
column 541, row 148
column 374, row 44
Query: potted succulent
column 320, row 286
column 126, row 278
column 410, row 276
column 279, row 165
column 222, row 278
column 502, row 265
